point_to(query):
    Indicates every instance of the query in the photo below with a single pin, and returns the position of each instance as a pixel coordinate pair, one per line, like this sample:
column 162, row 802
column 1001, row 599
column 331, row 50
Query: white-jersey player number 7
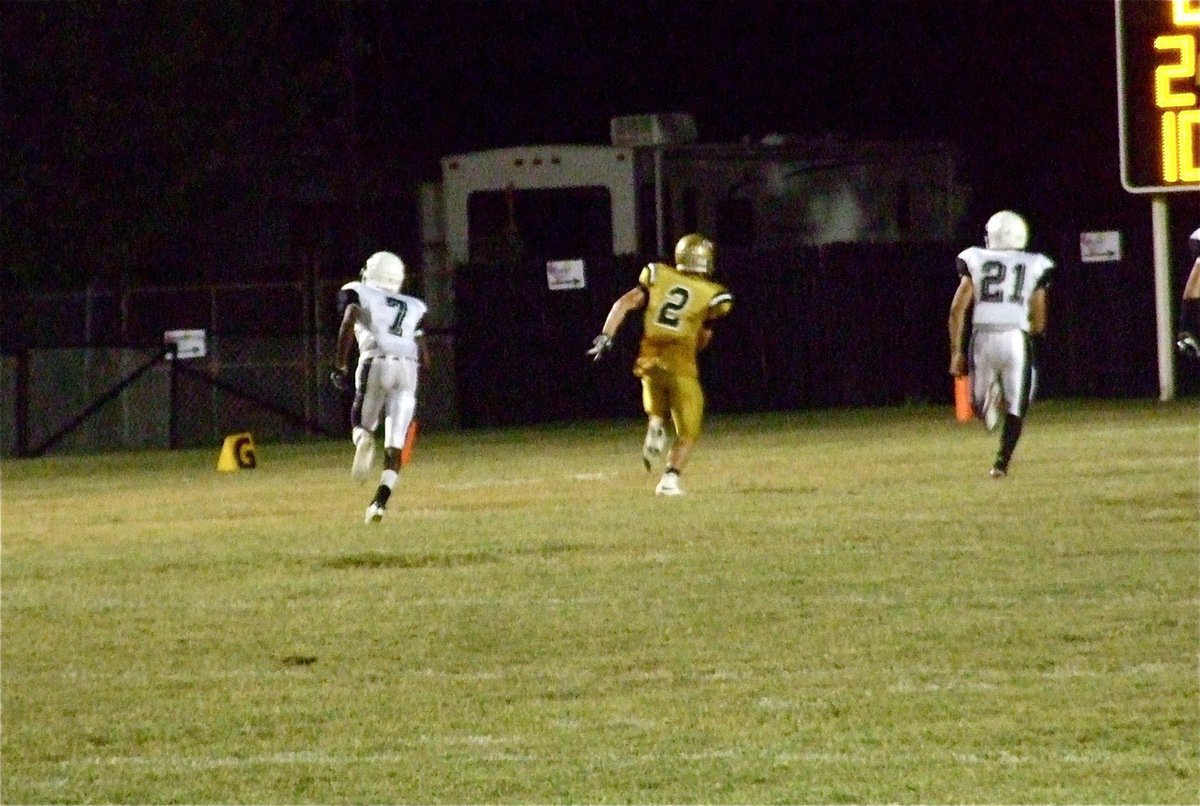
column 397, row 325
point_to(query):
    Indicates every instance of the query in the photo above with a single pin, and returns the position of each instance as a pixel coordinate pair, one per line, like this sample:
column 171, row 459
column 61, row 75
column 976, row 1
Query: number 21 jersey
column 1004, row 281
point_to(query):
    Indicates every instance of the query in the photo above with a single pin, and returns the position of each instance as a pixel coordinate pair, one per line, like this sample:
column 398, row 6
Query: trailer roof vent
column 653, row 130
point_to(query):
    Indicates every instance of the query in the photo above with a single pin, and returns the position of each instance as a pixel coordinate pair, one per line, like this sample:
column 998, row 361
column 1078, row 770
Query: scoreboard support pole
column 1158, row 115
column 1162, row 297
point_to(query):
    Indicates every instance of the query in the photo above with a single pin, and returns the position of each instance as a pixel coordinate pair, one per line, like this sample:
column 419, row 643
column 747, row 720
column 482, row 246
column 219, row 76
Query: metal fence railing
column 87, row 371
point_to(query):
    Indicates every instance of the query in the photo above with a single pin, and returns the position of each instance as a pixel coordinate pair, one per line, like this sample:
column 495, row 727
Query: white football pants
column 1004, row 356
column 386, row 386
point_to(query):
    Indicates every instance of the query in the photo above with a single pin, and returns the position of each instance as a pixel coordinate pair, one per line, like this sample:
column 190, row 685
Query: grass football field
column 843, row 609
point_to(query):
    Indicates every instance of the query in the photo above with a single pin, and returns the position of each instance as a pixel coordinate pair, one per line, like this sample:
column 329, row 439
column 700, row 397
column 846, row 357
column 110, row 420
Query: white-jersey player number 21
column 992, row 287
column 1004, row 282
column 1003, row 285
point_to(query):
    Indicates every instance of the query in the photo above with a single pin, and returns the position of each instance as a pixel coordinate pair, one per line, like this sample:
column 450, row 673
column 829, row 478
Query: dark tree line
column 143, row 137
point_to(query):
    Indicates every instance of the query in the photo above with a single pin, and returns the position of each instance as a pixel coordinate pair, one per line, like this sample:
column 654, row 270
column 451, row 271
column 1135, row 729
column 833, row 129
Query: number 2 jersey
column 389, row 324
column 679, row 305
column 1004, row 281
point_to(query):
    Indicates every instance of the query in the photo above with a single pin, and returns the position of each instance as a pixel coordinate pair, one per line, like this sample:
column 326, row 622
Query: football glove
column 1186, row 344
column 600, row 345
column 340, row 378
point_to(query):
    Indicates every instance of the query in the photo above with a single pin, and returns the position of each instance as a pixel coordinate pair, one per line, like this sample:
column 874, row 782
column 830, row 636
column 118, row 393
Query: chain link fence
column 89, row 371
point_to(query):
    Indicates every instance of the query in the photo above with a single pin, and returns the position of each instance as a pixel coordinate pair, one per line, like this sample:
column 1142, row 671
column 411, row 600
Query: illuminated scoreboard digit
column 1158, row 86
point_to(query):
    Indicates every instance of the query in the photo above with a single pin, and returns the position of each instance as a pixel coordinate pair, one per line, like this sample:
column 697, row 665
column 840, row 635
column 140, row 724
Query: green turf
column 843, row 609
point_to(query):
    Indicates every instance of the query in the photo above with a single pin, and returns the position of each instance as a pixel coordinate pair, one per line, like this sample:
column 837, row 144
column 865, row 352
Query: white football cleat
column 652, row 448
column 991, row 406
column 374, row 514
column 364, row 455
column 668, row 485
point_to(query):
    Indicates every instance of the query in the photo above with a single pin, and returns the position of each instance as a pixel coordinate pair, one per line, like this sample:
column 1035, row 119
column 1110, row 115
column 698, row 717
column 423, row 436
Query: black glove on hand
column 1186, row 344
column 340, row 378
column 600, row 345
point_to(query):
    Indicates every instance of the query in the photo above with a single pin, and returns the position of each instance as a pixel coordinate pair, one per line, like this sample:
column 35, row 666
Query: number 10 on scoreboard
column 1158, row 88
column 1179, row 125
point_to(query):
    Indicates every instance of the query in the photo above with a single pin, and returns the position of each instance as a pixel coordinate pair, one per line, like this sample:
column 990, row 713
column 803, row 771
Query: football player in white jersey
column 1007, row 287
column 1189, row 308
column 385, row 325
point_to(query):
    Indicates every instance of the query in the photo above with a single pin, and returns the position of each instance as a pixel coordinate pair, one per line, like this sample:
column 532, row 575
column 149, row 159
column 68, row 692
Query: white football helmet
column 1006, row 230
column 385, row 271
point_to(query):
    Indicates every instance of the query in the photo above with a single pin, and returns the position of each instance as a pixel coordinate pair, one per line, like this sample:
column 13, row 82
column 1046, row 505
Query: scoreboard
column 1158, row 88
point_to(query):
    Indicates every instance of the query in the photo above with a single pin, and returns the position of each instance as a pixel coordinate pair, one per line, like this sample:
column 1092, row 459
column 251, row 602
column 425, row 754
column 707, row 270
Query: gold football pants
column 679, row 396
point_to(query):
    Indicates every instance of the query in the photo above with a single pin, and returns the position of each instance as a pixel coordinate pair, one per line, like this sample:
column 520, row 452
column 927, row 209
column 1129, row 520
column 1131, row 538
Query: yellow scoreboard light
column 1158, row 94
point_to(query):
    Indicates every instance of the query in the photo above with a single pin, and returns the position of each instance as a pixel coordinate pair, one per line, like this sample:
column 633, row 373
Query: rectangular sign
column 563, row 275
column 188, row 343
column 1100, row 247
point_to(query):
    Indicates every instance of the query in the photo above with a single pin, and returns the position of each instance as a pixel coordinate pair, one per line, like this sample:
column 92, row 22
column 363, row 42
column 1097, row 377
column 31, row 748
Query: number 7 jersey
column 678, row 307
column 389, row 324
column 1004, row 281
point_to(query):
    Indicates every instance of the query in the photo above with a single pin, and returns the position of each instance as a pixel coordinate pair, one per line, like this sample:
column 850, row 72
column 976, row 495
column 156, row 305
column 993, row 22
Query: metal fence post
column 173, row 397
column 21, row 404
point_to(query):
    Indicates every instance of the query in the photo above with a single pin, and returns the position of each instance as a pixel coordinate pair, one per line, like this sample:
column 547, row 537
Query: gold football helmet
column 695, row 253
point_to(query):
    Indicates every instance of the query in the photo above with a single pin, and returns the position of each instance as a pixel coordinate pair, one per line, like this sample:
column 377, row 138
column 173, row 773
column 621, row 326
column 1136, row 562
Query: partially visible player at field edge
column 1007, row 287
column 1189, row 309
column 681, row 303
column 385, row 325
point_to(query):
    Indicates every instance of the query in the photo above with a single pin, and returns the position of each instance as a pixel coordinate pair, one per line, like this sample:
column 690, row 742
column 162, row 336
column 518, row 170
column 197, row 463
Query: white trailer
column 654, row 183
column 484, row 188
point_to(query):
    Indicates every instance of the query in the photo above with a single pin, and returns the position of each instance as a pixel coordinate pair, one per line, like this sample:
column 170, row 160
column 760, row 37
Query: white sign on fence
column 188, row 343
column 565, row 274
column 1100, row 247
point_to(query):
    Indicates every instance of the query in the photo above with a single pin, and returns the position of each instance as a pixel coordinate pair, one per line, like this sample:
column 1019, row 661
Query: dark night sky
column 1027, row 88
column 1010, row 79
column 1023, row 85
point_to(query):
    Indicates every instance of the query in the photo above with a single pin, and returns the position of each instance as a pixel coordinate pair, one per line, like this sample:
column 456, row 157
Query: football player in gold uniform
column 681, row 302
